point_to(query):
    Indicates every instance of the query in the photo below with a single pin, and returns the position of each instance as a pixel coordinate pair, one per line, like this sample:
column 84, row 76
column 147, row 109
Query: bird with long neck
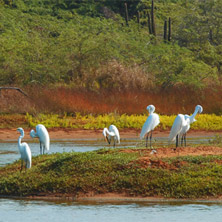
column 190, row 119
column 151, row 122
column 110, row 133
column 24, row 150
column 182, row 124
column 43, row 136
column 198, row 109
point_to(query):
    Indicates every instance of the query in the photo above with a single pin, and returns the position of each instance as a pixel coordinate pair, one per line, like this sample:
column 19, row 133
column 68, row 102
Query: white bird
column 152, row 121
column 24, row 150
column 110, row 133
column 179, row 123
column 43, row 135
column 185, row 129
column 182, row 124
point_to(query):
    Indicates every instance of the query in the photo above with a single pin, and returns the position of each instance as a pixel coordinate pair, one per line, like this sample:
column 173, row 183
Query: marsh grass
column 71, row 100
column 109, row 170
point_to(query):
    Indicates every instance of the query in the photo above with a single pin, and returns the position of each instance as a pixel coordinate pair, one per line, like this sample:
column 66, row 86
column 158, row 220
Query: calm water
column 32, row 210
column 23, row 210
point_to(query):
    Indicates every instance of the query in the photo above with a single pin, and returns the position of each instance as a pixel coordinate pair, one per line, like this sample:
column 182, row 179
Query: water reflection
column 23, row 210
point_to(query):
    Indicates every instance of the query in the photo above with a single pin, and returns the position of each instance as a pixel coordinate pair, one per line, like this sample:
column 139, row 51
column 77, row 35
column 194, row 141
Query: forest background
column 88, row 57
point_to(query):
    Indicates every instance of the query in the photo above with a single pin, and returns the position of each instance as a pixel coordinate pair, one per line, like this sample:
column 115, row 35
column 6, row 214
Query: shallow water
column 29, row 210
column 9, row 149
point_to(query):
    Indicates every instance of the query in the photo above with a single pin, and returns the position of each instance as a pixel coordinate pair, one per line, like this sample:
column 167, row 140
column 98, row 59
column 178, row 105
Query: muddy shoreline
column 57, row 134
column 113, row 197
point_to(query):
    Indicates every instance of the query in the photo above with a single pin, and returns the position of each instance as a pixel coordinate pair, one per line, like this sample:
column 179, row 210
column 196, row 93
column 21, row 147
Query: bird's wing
column 113, row 129
column 43, row 135
column 146, row 127
column 151, row 122
column 28, row 155
column 176, row 128
column 154, row 121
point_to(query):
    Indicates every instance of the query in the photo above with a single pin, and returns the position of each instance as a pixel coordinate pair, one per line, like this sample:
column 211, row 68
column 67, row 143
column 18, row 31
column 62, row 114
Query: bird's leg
column 185, row 139
column 147, row 139
column 151, row 139
column 182, row 140
column 114, row 145
column 40, row 148
column 177, row 141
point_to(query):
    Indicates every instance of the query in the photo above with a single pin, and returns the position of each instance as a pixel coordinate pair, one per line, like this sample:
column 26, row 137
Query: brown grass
column 64, row 99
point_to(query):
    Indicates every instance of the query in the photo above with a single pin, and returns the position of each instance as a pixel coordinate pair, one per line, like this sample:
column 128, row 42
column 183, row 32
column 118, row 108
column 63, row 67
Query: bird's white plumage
column 177, row 127
column 112, row 132
column 43, row 135
column 191, row 119
column 186, row 127
column 182, row 123
column 151, row 122
column 24, row 150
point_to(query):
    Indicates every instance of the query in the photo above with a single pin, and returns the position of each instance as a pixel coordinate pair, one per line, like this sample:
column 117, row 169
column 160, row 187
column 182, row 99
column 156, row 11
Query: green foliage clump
column 110, row 170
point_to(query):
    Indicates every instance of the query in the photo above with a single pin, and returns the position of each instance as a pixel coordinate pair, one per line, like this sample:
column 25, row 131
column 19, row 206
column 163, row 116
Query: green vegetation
column 112, row 170
column 87, row 44
column 204, row 121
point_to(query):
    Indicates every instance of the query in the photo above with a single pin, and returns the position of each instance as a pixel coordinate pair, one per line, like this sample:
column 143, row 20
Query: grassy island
column 132, row 172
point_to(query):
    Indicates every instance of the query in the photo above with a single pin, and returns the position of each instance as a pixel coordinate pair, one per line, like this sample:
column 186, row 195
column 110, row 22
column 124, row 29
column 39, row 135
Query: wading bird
column 24, row 150
column 198, row 109
column 110, row 133
column 151, row 122
column 43, row 135
column 181, row 126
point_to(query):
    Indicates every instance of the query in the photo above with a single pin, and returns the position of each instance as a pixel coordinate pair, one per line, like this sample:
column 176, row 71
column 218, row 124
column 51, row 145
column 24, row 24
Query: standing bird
column 181, row 126
column 179, row 123
column 198, row 109
column 113, row 132
column 152, row 121
column 43, row 135
column 24, row 150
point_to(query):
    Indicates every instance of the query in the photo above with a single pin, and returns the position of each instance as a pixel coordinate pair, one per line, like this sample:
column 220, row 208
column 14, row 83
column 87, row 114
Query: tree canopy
column 87, row 43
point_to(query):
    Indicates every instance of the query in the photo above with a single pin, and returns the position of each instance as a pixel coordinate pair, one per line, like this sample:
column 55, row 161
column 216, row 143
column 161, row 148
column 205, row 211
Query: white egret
column 185, row 129
column 151, row 122
column 24, row 150
column 181, row 125
column 110, row 133
column 43, row 135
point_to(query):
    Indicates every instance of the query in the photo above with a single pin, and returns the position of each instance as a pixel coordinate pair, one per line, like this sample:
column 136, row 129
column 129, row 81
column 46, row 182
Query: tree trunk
column 152, row 19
